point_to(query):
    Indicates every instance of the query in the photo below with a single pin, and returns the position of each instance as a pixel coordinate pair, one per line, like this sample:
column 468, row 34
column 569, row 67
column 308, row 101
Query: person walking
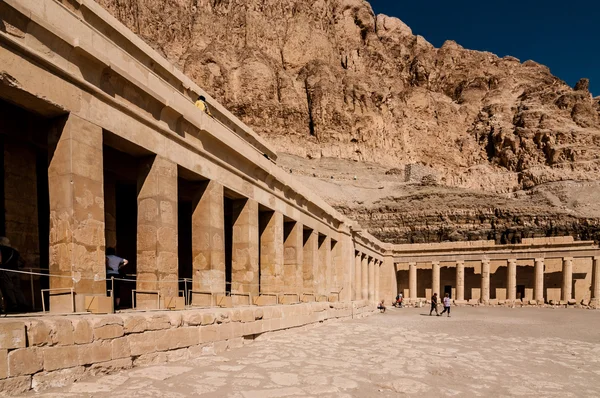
column 434, row 303
column 114, row 264
column 447, row 302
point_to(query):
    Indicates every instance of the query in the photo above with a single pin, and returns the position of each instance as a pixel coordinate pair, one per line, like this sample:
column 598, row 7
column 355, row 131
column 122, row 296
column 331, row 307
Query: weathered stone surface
column 60, row 357
column 12, row 335
column 110, row 366
column 25, row 361
column 82, row 331
column 120, row 348
column 15, row 385
column 108, row 332
column 59, row 378
column 3, row 364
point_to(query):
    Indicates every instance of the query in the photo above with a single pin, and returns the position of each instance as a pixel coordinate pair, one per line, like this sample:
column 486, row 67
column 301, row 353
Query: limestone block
column 135, row 324
column 208, row 319
column 174, row 303
column 332, row 298
column 571, row 302
column 82, row 331
column 308, row 298
column 12, row 335
column 102, row 320
column 236, row 316
column 237, row 342
column 288, row 300
column 98, row 304
column 259, row 313
column 98, row 351
column 3, row 364
column 208, row 334
column 60, row 357
column 108, row 367
column 119, row 348
column 38, row 333
column 248, row 315
column 178, row 355
column 265, row 300
column 15, row 385
column 159, row 322
column 144, row 343
column 182, row 337
column 57, row 378
column 532, row 302
column 150, row 359
column 24, row 361
column 224, row 301
column 108, row 332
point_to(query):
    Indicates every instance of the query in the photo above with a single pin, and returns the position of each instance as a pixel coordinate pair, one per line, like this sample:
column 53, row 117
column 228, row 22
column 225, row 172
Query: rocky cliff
column 328, row 79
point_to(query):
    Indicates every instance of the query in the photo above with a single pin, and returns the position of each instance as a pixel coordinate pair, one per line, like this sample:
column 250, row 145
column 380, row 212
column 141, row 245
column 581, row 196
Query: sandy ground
column 485, row 352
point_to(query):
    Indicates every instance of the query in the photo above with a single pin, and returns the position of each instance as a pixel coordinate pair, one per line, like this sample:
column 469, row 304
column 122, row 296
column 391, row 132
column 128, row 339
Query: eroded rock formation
column 328, row 78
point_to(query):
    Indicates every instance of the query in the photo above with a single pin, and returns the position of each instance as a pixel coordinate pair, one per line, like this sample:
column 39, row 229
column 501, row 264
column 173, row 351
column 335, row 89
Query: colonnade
column 365, row 284
column 511, row 279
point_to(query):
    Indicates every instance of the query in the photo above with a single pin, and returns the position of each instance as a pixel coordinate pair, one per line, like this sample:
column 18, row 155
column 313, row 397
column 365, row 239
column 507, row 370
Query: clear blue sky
column 563, row 35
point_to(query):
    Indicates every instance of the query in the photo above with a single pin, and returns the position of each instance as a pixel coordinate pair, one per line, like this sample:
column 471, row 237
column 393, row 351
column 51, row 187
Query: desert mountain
column 418, row 143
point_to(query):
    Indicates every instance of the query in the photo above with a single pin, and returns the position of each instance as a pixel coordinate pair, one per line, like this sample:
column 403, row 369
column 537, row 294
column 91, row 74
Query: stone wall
column 38, row 353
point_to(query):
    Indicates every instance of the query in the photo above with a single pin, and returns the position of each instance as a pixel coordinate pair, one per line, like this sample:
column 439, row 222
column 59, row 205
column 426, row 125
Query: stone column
column 412, row 280
column 372, row 280
column 292, row 258
column 596, row 281
column 388, row 283
column 357, row 276
column 435, row 277
column 377, row 281
column 244, row 249
column 511, row 280
column 567, row 282
column 324, row 274
column 208, row 243
column 538, row 289
column 271, row 252
column 75, row 185
column 157, row 267
column 310, row 260
column 365, row 277
column 485, row 281
column 460, row 281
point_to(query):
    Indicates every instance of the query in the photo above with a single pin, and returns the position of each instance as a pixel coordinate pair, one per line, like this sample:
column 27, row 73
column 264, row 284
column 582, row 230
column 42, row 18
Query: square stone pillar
column 412, row 281
column 157, row 268
column 324, row 273
column 511, row 280
column 567, row 281
column 372, row 280
column 310, row 260
column 208, row 241
column 365, row 277
column 460, row 281
column 388, row 285
column 377, row 293
column 595, row 282
column 435, row 277
column 538, row 288
column 244, row 249
column 485, row 281
column 292, row 258
column 75, row 185
column 358, row 276
column 271, row 252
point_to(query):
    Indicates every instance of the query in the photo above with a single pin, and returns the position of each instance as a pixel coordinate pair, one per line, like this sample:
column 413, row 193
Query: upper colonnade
column 133, row 164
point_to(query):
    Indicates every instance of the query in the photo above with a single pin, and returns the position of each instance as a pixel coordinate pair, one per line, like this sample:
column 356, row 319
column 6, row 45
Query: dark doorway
column 520, row 292
column 448, row 290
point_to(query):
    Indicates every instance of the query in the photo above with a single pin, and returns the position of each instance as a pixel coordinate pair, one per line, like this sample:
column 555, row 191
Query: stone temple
column 102, row 146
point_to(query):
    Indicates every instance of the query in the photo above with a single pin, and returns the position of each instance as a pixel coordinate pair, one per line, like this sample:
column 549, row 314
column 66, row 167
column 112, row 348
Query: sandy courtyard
column 476, row 352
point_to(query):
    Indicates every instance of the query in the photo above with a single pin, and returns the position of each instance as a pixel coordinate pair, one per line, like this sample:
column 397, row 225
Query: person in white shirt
column 114, row 264
column 447, row 302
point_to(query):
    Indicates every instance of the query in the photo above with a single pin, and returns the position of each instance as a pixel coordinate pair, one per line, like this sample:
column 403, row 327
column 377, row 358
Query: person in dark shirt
column 10, row 282
column 434, row 303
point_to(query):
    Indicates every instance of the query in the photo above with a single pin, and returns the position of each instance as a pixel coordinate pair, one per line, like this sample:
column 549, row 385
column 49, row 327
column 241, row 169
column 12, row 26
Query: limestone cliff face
column 328, row 78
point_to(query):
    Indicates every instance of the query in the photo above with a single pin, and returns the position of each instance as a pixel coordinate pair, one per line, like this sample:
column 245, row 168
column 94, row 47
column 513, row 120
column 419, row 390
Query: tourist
column 202, row 105
column 10, row 282
column 446, row 304
column 381, row 306
column 114, row 264
column 398, row 302
column 434, row 303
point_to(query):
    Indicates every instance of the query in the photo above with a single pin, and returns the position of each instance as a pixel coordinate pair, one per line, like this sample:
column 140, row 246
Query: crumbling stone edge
column 54, row 351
